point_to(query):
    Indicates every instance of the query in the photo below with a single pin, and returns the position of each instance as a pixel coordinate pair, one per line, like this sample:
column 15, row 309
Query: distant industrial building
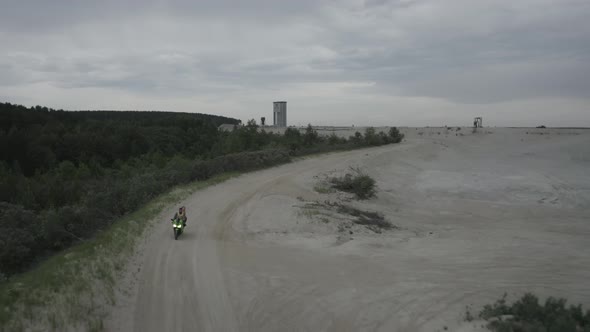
column 279, row 113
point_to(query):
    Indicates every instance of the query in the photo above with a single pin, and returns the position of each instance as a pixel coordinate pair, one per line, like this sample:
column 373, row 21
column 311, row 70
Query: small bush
column 395, row 136
column 372, row 138
column 311, row 136
column 528, row 315
column 357, row 139
column 355, row 182
column 367, row 218
column 333, row 139
column 373, row 221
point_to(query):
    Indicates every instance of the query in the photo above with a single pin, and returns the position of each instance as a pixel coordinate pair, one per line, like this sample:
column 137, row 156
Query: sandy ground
column 477, row 215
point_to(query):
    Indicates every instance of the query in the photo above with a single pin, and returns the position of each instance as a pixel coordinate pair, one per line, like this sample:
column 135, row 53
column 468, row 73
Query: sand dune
column 477, row 214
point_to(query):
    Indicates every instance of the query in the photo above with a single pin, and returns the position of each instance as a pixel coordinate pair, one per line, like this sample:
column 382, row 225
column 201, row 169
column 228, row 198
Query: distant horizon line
column 301, row 125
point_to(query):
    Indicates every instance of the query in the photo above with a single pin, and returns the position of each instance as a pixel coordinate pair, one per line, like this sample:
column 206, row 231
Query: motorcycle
column 178, row 227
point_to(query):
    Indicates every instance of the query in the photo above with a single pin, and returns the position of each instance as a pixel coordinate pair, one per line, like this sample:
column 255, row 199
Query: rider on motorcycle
column 181, row 214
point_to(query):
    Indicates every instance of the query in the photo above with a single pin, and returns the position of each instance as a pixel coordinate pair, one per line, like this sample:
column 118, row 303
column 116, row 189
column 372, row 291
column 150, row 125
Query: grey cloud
column 492, row 65
column 500, row 83
column 461, row 51
column 32, row 16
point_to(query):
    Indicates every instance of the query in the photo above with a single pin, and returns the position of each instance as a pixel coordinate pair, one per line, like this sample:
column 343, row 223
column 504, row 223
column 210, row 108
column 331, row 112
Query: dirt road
column 503, row 210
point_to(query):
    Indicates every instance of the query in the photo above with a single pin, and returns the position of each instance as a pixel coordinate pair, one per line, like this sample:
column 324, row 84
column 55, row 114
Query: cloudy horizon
column 361, row 62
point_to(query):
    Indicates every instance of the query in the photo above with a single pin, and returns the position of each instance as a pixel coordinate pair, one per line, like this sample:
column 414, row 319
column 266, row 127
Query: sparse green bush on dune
column 527, row 314
column 373, row 220
column 394, row 135
column 333, row 139
column 372, row 138
column 355, row 182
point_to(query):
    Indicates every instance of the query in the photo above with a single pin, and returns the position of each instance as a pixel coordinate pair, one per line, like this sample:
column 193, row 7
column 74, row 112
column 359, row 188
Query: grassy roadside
column 70, row 289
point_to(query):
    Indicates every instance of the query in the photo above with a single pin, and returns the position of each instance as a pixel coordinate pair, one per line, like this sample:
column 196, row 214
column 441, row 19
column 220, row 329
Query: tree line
column 66, row 175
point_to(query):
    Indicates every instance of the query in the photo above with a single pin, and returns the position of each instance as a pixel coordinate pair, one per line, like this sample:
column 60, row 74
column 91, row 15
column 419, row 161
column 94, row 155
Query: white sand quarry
column 501, row 210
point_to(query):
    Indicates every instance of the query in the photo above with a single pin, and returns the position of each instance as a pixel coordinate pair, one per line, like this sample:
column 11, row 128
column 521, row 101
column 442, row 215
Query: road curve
column 182, row 284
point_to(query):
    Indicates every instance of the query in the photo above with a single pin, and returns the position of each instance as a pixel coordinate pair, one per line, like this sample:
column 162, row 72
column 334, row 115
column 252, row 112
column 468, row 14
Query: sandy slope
column 502, row 210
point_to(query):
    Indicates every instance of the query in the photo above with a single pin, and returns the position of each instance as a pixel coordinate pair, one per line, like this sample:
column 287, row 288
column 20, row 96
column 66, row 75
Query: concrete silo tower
column 279, row 113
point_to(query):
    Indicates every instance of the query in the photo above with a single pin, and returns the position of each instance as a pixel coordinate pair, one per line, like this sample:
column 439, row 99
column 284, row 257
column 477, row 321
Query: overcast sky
column 363, row 62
